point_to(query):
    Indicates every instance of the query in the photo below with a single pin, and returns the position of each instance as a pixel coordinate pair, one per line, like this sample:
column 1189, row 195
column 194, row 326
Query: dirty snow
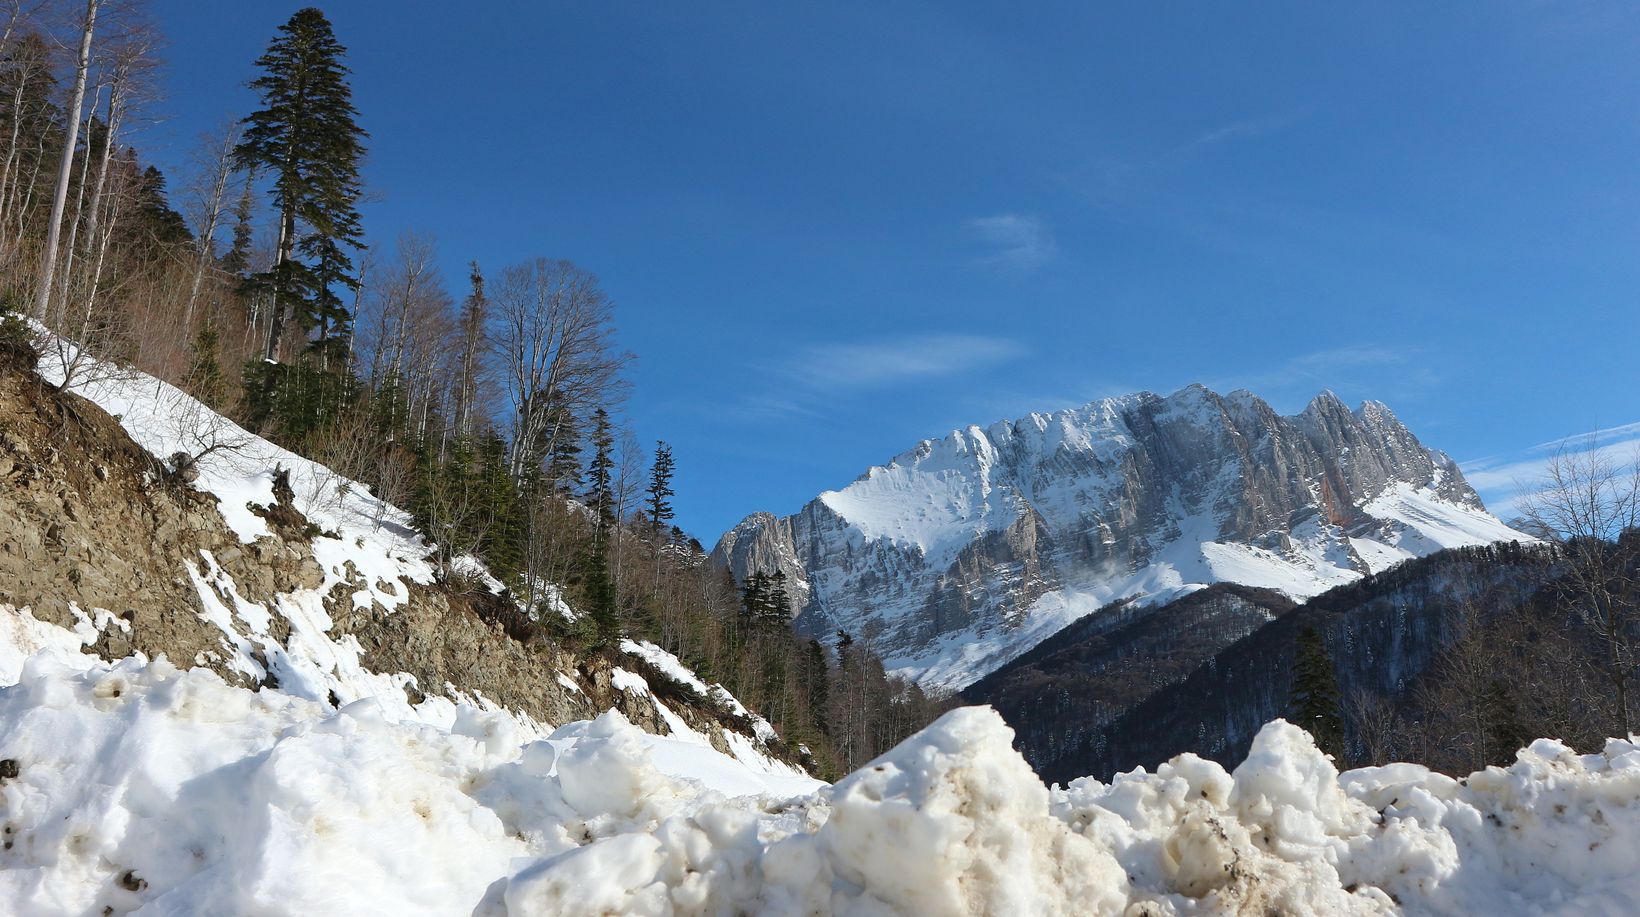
column 141, row 788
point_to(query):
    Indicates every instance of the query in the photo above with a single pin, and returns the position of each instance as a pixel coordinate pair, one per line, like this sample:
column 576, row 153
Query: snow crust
column 143, row 789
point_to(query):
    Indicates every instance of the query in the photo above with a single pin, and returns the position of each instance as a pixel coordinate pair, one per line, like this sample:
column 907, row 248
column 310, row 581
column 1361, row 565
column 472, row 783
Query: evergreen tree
column 779, row 603
column 660, row 486
column 1315, row 701
column 819, row 673
column 204, row 371
column 238, row 259
column 601, row 598
column 564, row 456
column 600, row 495
column 306, row 138
column 754, row 595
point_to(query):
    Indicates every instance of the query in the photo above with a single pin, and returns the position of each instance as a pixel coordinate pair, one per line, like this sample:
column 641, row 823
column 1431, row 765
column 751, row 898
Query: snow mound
column 136, row 787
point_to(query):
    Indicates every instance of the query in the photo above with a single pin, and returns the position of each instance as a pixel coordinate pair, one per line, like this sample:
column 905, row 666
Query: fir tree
column 660, row 486
column 779, row 603
column 564, row 456
column 306, row 138
column 754, row 595
column 819, row 674
column 204, row 371
column 238, row 259
column 600, row 597
column 1315, row 697
column 600, row 494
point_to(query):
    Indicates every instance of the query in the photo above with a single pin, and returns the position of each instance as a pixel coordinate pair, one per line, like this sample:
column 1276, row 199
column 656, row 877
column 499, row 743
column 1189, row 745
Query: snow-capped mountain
column 965, row 551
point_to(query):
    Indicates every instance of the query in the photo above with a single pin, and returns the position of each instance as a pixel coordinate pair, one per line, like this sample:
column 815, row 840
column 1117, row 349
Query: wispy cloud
column 1016, row 241
column 875, row 364
column 1388, row 373
column 803, row 383
column 1244, row 129
column 1502, row 480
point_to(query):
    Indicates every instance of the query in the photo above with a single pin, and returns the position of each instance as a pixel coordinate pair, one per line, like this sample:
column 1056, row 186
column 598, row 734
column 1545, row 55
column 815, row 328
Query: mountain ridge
column 961, row 551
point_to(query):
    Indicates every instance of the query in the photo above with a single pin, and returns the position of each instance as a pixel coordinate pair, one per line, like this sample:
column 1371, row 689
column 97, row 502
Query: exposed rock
column 962, row 552
column 95, row 541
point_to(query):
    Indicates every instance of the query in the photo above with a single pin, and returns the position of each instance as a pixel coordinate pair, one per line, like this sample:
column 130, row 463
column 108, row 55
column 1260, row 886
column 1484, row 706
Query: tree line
column 494, row 416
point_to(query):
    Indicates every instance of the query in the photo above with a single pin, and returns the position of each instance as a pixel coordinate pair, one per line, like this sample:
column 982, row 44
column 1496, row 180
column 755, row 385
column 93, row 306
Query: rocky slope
column 134, row 520
column 963, row 552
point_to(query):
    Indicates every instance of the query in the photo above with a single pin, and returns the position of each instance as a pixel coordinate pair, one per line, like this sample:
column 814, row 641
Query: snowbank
column 138, row 786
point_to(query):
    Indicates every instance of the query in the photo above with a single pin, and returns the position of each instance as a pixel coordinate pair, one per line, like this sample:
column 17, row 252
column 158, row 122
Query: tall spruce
column 660, row 486
column 1316, row 700
column 307, row 139
column 600, row 494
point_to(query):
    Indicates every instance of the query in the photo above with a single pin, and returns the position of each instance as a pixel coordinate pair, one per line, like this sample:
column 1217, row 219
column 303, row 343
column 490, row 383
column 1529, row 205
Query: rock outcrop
column 963, row 552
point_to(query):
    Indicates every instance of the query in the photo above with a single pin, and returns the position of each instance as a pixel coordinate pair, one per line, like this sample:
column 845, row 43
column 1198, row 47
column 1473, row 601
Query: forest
column 491, row 411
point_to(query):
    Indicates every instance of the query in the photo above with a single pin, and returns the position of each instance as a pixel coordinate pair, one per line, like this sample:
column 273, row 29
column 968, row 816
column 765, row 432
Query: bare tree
column 554, row 340
column 206, row 205
column 1590, row 504
column 48, row 258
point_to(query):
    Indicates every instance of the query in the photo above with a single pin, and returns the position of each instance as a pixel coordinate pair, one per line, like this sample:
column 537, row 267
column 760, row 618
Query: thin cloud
column 806, row 382
column 875, row 364
column 1017, row 241
column 1388, row 372
column 1236, row 130
column 1502, row 480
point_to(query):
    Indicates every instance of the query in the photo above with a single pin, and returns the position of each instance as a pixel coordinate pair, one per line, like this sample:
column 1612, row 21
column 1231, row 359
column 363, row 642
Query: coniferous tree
column 660, row 486
column 1316, row 700
column 778, row 604
column 238, row 259
column 564, row 456
column 307, row 139
column 600, row 494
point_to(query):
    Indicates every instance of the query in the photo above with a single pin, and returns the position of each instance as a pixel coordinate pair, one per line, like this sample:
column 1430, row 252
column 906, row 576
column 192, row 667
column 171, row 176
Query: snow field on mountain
column 139, row 788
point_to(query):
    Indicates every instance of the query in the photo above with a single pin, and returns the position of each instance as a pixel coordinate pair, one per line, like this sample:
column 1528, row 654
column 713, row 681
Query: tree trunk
column 48, row 258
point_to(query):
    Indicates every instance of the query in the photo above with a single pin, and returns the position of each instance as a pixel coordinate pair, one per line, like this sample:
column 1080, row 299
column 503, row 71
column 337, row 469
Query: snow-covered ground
column 135, row 787
column 365, row 542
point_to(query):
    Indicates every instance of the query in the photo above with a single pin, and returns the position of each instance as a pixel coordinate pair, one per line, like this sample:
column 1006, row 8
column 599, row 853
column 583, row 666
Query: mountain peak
column 963, row 552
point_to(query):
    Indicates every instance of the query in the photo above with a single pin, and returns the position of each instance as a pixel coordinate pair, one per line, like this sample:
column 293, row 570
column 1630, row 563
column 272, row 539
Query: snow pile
column 140, row 787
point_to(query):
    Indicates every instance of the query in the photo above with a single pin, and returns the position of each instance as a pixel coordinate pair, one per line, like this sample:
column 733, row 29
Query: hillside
column 134, row 520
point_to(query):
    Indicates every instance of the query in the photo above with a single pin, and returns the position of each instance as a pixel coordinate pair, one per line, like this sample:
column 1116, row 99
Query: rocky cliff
column 963, row 552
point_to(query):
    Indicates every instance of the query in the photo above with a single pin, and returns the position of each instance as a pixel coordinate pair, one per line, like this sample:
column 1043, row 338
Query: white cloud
column 1019, row 242
column 1502, row 480
column 873, row 364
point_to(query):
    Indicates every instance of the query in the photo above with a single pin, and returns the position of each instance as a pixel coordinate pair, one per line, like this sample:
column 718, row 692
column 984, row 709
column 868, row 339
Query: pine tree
column 474, row 315
column 564, row 456
column 779, row 603
column 601, row 598
column 204, row 371
column 1315, row 701
column 660, row 486
column 307, row 139
column 238, row 259
column 819, row 671
column 600, row 494
column 754, row 595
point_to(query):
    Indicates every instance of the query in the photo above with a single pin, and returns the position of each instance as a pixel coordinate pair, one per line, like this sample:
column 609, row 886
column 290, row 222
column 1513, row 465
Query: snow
column 142, row 788
column 885, row 543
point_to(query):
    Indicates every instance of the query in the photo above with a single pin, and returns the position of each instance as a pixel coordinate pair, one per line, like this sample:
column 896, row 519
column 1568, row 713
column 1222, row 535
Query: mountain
column 964, row 552
column 1102, row 706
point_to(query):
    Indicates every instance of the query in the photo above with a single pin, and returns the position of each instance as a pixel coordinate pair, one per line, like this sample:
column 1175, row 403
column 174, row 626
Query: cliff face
column 963, row 552
column 240, row 557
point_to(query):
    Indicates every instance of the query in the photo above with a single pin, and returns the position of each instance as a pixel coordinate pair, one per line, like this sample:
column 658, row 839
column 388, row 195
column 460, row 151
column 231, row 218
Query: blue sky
column 835, row 229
